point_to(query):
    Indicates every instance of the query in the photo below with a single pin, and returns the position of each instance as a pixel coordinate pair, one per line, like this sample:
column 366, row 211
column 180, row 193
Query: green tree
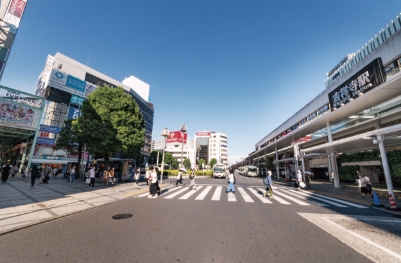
column 111, row 121
column 201, row 162
column 212, row 162
column 187, row 163
column 268, row 163
column 154, row 157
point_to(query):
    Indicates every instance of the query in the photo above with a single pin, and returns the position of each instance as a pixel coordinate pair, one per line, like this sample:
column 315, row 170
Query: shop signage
column 203, row 134
column 47, row 141
column 52, row 129
column 51, row 157
column 76, row 100
column 74, row 113
column 15, row 115
column 62, row 81
column 13, row 16
column 75, row 83
column 177, row 136
column 363, row 81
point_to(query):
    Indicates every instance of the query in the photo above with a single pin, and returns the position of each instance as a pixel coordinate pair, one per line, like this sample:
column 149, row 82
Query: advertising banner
column 76, row 100
column 52, row 129
column 3, row 53
column 363, row 81
column 89, row 88
column 45, row 141
column 13, row 16
column 73, row 113
column 177, row 136
column 59, row 79
column 203, row 134
column 16, row 115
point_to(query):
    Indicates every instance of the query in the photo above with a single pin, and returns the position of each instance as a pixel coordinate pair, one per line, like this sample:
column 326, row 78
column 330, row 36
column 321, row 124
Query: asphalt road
column 189, row 230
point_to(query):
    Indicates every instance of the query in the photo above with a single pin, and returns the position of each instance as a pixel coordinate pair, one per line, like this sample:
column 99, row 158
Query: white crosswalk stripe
column 282, row 196
column 260, row 196
column 319, row 199
column 246, row 197
column 280, row 200
column 204, row 193
column 289, row 198
column 217, row 194
column 191, row 192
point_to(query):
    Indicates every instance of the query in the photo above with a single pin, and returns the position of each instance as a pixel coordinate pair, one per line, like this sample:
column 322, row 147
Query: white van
column 252, row 171
column 219, row 171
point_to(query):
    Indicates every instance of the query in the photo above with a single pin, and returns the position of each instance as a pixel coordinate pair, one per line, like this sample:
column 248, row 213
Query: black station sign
column 363, row 81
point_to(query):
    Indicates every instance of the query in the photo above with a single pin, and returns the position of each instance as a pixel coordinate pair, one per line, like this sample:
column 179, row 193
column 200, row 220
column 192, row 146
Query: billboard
column 16, row 115
column 46, row 141
column 363, row 81
column 177, row 136
column 73, row 113
column 47, row 128
column 203, row 134
column 63, row 81
column 13, row 16
column 76, row 100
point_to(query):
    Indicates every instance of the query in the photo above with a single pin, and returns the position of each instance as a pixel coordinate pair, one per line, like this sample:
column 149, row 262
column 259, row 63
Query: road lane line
column 337, row 200
column 306, row 199
column 231, row 197
column 204, row 193
column 217, row 194
column 169, row 190
column 244, row 194
column 280, row 200
column 176, row 193
column 191, row 192
column 320, row 199
column 260, row 196
column 290, row 198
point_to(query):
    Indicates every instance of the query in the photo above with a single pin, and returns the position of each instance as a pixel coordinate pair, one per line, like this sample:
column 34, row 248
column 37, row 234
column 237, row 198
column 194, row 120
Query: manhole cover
column 122, row 216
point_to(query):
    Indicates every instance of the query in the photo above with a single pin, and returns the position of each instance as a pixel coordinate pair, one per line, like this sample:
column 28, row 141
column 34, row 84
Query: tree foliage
column 201, row 162
column 153, row 157
column 212, row 162
column 111, row 121
column 268, row 163
column 187, row 163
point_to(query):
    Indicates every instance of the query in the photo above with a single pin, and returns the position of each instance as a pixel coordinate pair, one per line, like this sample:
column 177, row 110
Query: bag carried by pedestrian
column 368, row 187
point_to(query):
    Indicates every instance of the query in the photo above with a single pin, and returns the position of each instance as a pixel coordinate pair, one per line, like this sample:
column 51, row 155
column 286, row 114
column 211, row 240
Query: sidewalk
column 22, row 205
column 352, row 193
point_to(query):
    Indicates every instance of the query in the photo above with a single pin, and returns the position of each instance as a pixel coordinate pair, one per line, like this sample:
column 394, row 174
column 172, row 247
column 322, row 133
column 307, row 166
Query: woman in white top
column 364, row 186
column 153, row 188
column 137, row 175
column 92, row 176
column 192, row 185
column 230, row 187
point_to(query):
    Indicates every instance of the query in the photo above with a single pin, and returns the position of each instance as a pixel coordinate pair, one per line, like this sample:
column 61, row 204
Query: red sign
column 17, row 8
column 304, row 139
column 203, row 134
column 177, row 136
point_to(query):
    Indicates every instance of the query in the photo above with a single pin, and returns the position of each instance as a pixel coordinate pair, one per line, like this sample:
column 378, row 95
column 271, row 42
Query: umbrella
column 183, row 170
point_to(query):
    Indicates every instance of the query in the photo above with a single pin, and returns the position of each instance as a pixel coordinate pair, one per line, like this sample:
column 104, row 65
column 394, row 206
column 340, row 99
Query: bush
column 347, row 173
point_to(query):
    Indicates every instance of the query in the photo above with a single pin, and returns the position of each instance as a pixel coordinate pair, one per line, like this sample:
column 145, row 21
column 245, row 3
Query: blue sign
column 76, row 100
column 52, row 129
column 41, row 140
column 74, row 113
column 51, row 157
column 75, row 83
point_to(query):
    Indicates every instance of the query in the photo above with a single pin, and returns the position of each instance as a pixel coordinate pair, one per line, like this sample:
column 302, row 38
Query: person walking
column 231, row 182
column 153, row 185
column 106, row 175
column 23, row 175
column 92, row 176
column 4, row 173
column 147, row 175
column 366, row 187
column 34, row 174
column 268, row 183
column 54, row 172
column 179, row 178
column 111, row 175
column 137, row 176
column 299, row 179
column 307, row 181
column 192, row 185
column 72, row 175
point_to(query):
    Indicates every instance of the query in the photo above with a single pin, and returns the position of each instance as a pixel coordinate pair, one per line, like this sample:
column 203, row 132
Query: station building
column 358, row 111
column 65, row 83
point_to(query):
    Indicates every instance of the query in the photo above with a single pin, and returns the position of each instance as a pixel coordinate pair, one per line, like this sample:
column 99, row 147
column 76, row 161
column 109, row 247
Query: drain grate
column 122, row 216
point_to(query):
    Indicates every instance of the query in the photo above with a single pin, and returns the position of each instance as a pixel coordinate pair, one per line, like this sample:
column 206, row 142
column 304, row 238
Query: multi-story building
column 65, row 83
column 218, row 147
column 175, row 148
column 11, row 12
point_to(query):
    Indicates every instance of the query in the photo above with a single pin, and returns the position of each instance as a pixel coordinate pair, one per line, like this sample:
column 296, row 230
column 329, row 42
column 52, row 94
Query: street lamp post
column 183, row 131
column 165, row 134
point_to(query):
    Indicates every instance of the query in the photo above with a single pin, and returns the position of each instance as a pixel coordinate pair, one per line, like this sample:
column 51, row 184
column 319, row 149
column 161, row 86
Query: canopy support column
column 333, row 158
column 277, row 164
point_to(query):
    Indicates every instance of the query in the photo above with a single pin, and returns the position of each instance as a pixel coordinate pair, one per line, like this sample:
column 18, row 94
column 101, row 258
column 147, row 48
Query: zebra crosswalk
column 281, row 196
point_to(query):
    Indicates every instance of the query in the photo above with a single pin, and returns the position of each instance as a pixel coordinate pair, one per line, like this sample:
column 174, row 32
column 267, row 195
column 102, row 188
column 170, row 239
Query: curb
column 69, row 214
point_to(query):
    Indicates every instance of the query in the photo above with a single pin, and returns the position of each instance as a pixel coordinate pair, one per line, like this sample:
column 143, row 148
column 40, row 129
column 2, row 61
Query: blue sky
column 237, row 67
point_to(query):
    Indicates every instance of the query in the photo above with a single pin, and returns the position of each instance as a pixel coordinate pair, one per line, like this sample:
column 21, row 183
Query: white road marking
column 337, row 200
column 280, row 200
column 169, row 190
column 217, row 194
column 231, row 197
column 304, row 198
column 320, row 199
column 261, row 198
column 177, row 193
column 204, row 193
column 191, row 192
column 244, row 194
column 290, row 198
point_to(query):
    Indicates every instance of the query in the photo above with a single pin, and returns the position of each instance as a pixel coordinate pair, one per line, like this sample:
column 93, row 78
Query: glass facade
column 203, row 142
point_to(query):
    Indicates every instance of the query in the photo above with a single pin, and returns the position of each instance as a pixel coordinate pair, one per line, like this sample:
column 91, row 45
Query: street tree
column 212, row 162
column 187, row 163
column 154, row 154
column 268, row 163
column 201, row 162
column 111, row 122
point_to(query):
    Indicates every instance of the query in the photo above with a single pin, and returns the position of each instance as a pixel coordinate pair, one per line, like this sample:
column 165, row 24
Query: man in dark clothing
column 4, row 173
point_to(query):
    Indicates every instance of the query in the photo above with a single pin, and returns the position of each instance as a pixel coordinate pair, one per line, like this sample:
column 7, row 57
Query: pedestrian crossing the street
column 281, row 196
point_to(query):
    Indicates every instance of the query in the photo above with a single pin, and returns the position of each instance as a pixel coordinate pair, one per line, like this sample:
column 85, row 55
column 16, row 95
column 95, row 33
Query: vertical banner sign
column 363, row 81
column 73, row 113
column 13, row 16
